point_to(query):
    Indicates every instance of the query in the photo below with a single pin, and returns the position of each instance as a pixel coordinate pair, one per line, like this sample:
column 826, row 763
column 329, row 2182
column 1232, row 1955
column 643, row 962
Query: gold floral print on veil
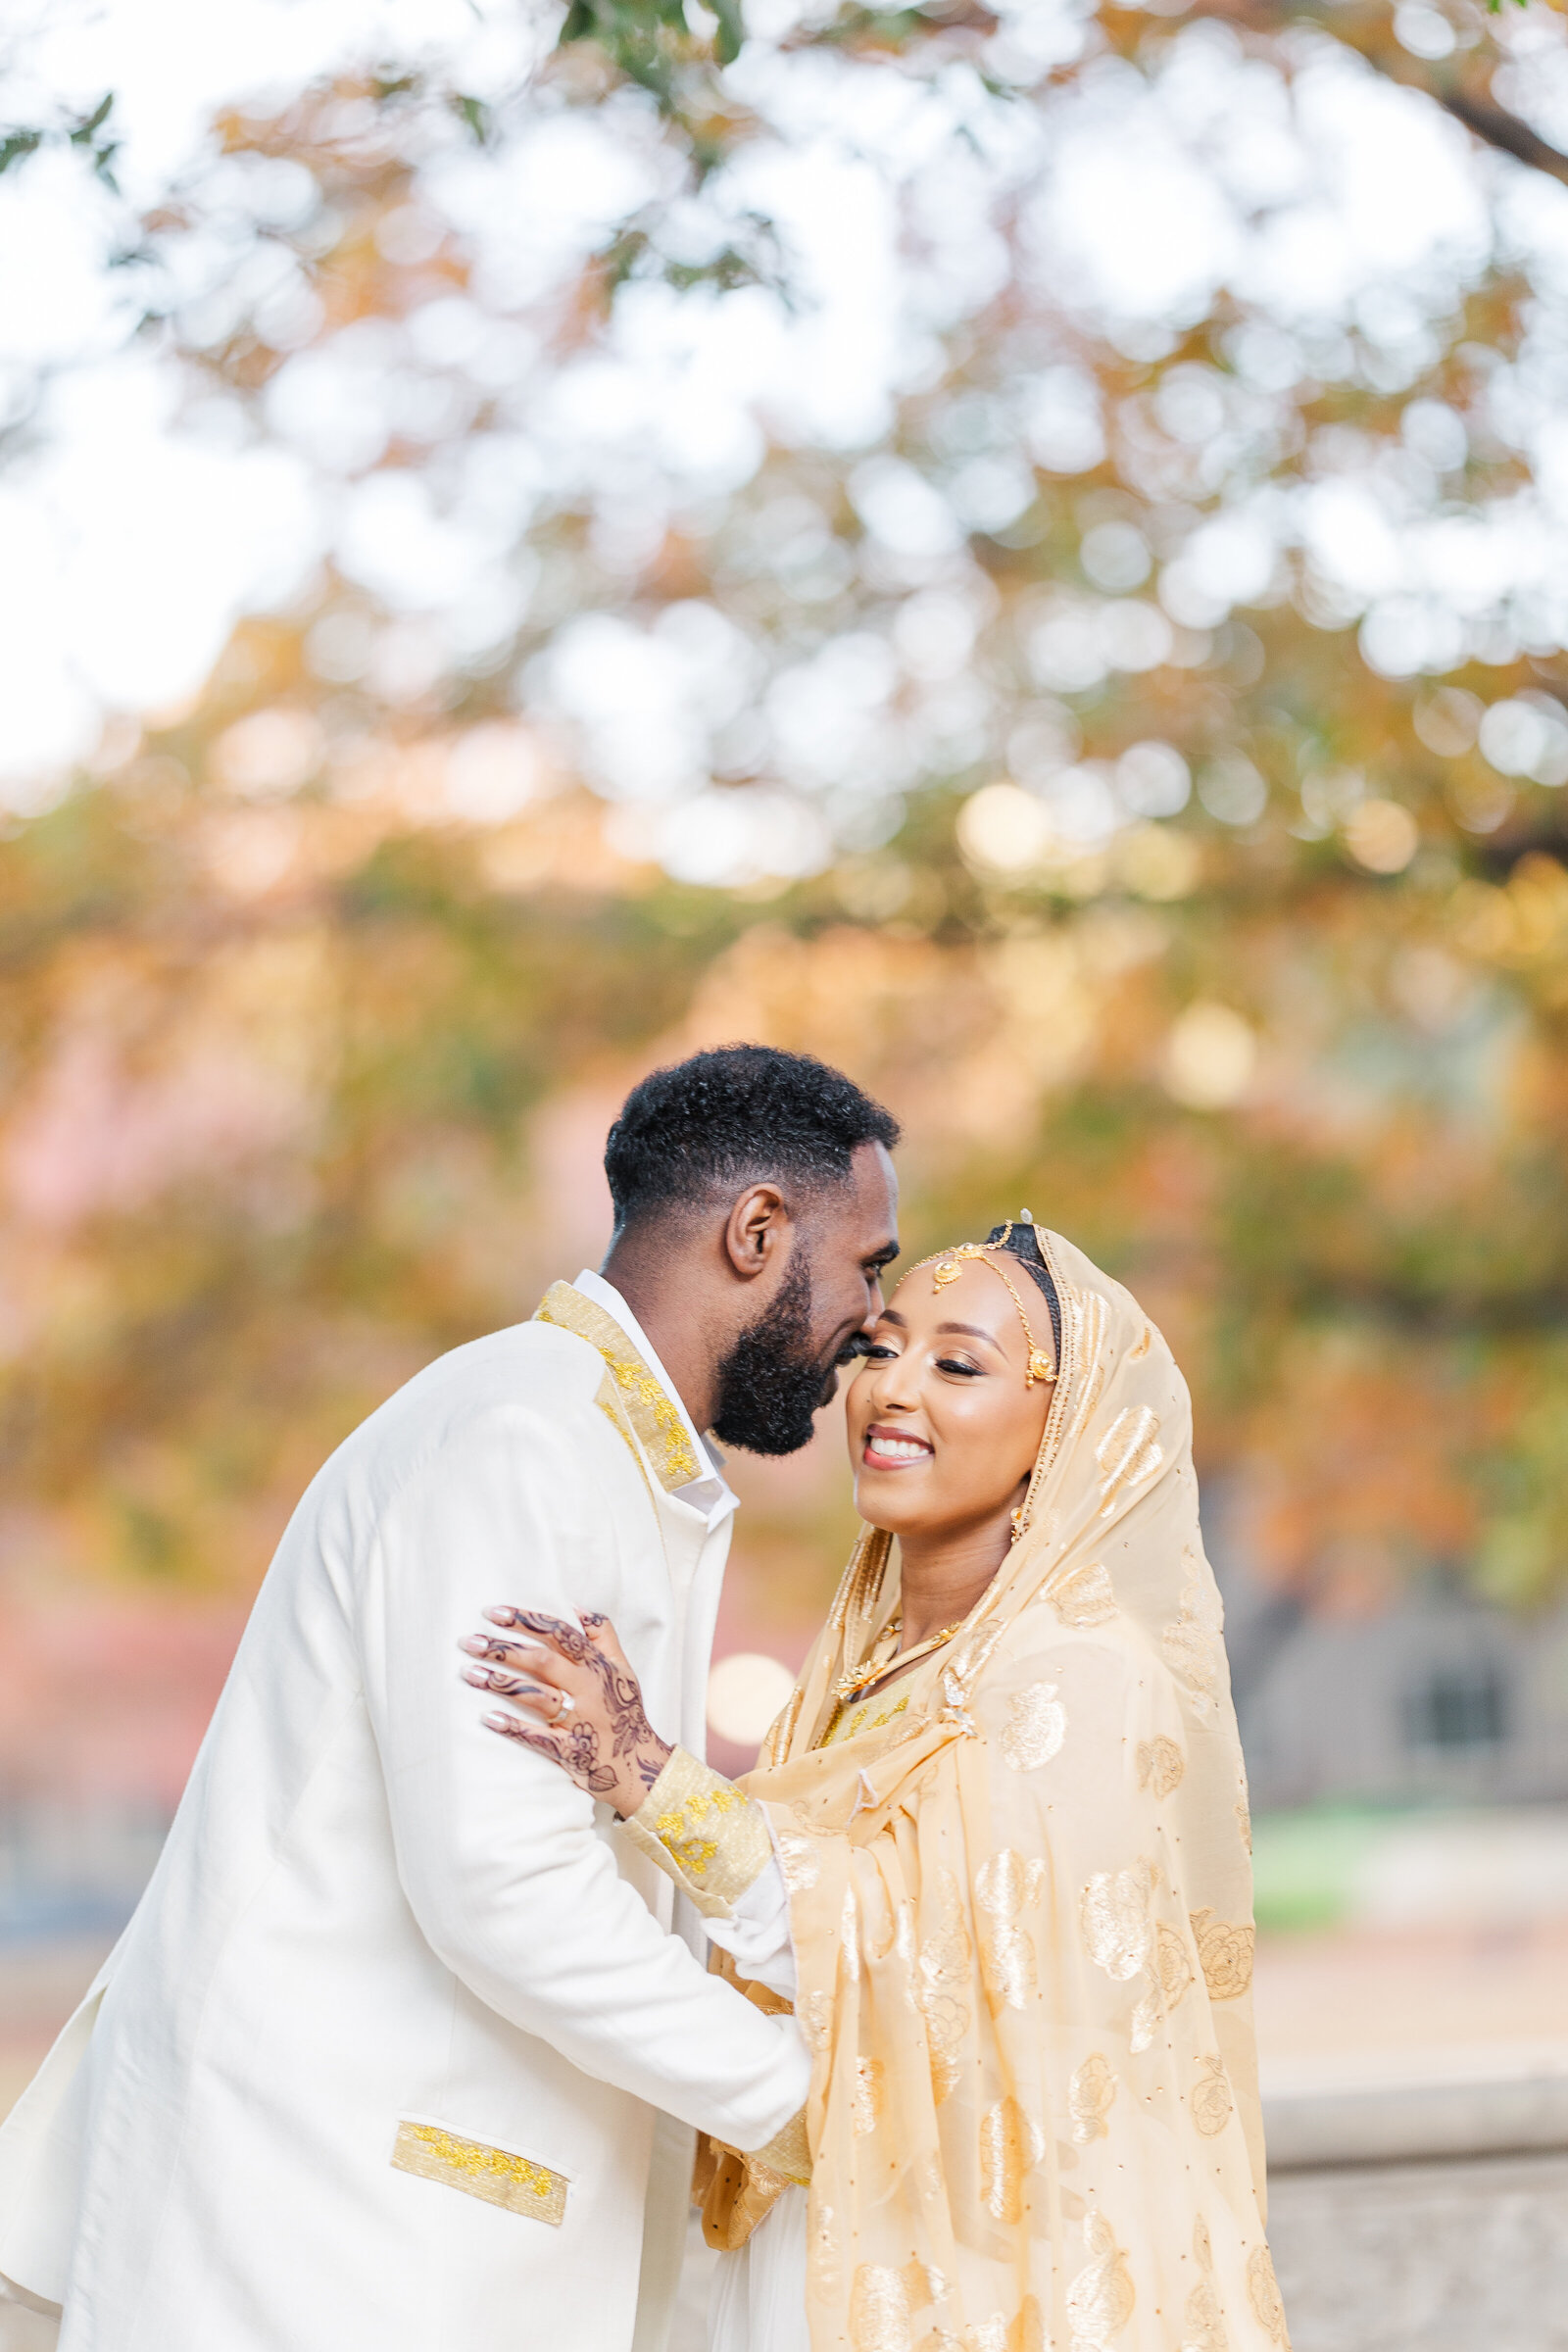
column 884, row 2301
column 1113, row 1911
column 1082, row 1597
column 1191, row 1642
column 1100, row 2299
column 1224, row 1953
column 879, row 2309
column 1088, row 2100
column 1090, row 1318
column 944, row 1969
column 1263, row 2293
column 1175, row 1968
column 1006, row 1887
column 1127, row 1453
column 849, row 1936
column 824, row 2248
column 1037, row 1726
column 1202, row 2327
column 1025, row 2333
column 1210, row 2098
column 801, row 1861
column 1011, row 2147
column 870, row 2095
column 1160, row 1765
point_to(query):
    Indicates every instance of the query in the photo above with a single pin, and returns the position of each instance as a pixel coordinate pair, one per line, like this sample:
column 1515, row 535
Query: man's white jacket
column 379, row 2063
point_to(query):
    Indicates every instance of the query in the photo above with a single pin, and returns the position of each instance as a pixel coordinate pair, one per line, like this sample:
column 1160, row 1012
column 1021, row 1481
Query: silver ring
column 567, row 1706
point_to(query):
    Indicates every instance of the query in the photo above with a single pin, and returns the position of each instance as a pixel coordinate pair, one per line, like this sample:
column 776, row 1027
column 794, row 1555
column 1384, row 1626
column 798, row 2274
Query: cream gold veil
column 1022, row 1919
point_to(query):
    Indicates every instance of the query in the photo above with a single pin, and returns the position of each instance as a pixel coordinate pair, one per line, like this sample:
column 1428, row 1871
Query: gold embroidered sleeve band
column 787, row 2152
column 703, row 1833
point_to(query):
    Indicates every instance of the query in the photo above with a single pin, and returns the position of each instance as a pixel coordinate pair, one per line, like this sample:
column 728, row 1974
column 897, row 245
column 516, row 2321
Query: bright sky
column 137, row 529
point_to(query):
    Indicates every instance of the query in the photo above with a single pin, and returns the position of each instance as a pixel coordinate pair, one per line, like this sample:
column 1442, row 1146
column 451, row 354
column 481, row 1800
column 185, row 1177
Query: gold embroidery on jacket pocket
column 495, row 2174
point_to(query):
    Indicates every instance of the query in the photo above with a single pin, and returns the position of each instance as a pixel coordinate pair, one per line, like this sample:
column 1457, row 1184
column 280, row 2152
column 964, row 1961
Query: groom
column 399, row 2052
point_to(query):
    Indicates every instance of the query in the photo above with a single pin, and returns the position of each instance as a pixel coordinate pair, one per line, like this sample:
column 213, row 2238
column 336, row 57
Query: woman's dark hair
column 1023, row 1243
column 732, row 1117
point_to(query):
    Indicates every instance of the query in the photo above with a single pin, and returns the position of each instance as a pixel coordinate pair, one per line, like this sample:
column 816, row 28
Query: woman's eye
column 954, row 1363
column 877, row 1354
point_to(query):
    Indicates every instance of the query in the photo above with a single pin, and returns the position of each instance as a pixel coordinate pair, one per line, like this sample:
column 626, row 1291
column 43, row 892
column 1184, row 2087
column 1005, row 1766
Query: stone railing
column 1421, row 2205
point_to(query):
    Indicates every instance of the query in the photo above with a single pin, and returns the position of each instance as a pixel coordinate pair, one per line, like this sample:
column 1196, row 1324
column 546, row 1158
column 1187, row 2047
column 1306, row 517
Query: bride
column 996, row 1857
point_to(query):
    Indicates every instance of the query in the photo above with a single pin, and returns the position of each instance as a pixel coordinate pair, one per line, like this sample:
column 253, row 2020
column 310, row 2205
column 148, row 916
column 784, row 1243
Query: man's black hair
column 737, row 1115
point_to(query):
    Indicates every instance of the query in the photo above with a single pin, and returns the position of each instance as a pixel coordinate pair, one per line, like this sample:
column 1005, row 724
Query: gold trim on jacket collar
column 647, row 1403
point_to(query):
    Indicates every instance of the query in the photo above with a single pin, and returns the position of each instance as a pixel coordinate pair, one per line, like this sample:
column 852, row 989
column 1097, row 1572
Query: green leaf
column 731, row 35
column 15, row 144
column 88, row 128
column 475, row 114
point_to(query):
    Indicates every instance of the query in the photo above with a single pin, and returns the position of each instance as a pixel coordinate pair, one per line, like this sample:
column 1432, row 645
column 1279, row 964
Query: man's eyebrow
column 883, row 1256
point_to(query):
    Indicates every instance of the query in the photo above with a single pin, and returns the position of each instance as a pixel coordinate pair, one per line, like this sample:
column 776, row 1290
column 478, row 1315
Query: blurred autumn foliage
column 1025, row 752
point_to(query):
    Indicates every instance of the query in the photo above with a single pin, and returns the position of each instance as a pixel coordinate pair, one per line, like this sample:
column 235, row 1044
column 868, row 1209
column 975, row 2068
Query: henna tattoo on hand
column 572, row 1642
column 582, row 1762
column 614, row 1714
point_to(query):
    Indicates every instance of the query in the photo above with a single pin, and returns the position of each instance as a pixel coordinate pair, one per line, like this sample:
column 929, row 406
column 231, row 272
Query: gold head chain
column 948, row 1264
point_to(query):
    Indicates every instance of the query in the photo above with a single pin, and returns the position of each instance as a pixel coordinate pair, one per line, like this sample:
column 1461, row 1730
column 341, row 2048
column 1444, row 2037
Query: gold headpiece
column 948, row 1264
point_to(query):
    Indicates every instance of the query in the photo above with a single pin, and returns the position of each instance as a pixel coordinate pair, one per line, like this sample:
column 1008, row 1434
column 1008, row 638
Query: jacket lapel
column 629, row 1395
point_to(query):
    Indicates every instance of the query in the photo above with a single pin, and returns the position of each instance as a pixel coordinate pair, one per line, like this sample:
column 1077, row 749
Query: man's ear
column 757, row 1231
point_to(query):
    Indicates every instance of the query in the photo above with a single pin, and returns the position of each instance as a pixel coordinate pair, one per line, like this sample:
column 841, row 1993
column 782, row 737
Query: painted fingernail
column 478, row 1676
column 497, row 1723
column 475, row 1644
column 499, row 1616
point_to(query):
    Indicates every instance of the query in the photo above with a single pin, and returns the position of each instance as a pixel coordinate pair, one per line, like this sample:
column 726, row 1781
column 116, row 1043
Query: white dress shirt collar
column 710, row 1496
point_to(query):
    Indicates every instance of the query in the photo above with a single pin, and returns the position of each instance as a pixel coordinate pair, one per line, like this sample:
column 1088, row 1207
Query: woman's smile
column 894, row 1448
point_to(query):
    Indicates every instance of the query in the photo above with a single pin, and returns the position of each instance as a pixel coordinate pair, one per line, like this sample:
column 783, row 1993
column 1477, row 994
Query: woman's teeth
column 896, row 1449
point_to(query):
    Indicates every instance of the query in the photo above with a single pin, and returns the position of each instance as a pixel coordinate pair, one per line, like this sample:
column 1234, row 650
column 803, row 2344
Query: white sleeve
column 757, row 1934
column 496, row 1849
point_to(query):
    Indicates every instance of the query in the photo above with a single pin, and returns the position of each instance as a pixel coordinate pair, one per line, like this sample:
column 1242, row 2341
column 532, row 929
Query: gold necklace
column 871, row 1668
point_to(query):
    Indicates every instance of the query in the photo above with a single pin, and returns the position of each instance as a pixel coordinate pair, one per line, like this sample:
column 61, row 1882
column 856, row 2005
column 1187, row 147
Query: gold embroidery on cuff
column 495, row 2174
column 703, row 1833
column 788, row 2152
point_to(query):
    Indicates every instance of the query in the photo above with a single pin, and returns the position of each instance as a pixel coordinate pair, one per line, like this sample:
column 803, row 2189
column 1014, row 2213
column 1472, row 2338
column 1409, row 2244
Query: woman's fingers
column 568, row 1638
column 542, row 1696
column 519, row 1657
column 513, row 1727
column 602, row 1633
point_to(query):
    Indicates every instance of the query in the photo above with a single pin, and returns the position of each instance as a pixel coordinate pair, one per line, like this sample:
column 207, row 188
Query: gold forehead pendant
column 948, row 1264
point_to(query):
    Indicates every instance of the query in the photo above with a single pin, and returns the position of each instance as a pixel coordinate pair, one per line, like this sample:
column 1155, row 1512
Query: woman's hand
column 578, row 1701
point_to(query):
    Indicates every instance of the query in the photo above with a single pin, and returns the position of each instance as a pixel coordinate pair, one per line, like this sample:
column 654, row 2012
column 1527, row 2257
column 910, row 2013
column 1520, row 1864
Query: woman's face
column 943, row 1432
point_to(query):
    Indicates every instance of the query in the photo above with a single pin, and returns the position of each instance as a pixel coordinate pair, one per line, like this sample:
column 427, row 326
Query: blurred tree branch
column 1462, row 86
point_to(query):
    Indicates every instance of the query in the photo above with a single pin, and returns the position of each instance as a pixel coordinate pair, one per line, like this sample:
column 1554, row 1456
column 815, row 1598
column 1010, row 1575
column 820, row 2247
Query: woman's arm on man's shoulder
column 498, row 1856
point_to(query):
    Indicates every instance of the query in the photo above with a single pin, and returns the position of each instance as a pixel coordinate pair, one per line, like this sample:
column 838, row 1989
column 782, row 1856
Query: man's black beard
column 772, row 1382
